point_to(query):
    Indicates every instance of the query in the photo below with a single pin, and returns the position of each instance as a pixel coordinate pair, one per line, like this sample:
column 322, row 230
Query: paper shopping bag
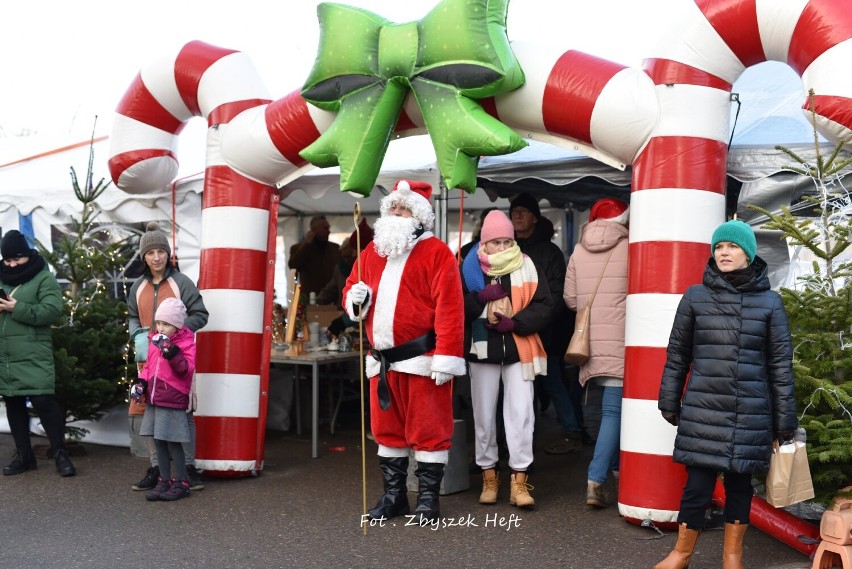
column 789, row 479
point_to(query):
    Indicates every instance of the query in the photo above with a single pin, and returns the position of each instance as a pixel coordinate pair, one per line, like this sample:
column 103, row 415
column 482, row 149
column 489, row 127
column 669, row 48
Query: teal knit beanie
column 737, row 232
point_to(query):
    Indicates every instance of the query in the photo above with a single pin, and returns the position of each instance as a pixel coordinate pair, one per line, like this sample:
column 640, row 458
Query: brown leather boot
column 682, row 552
column 732, row 553
column 520, row 491
column 490, row 484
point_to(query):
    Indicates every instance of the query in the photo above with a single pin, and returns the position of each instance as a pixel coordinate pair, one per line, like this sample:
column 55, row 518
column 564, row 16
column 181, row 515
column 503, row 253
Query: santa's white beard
column 394, row 235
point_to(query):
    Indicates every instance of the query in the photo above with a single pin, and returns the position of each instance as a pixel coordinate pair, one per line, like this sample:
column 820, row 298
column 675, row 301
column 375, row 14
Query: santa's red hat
column 415, row 195
column 610, row 209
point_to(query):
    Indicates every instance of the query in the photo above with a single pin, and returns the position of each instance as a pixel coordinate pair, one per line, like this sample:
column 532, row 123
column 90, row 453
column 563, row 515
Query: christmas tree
column 90, row 341
column 819, row 305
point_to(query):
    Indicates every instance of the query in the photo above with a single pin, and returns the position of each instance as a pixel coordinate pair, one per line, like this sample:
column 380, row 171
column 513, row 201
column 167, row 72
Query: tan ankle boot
column 595, row 495
column 490, row 483
column 732, row 553
column 520, row 491
column 682, row 552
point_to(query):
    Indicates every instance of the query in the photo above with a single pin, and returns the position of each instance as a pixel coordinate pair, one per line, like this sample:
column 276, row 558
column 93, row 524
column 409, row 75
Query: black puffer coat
column 740, row 392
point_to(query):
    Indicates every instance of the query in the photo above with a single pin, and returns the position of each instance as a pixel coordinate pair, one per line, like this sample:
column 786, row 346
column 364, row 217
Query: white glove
column 358, row 293
column 441, row 378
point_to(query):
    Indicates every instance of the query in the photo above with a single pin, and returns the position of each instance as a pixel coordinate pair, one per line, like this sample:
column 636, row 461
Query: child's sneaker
column 157, row 493
column 178, row 490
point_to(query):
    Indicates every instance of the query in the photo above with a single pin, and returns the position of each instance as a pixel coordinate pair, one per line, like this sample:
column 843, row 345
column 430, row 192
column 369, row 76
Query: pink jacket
column 177, row 372
column 606, row 332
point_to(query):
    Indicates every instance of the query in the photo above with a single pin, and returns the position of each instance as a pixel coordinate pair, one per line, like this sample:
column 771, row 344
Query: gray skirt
column 165, row 424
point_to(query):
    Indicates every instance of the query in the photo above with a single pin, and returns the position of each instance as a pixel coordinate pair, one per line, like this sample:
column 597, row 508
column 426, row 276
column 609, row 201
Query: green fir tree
column 90, row 341
column 819, row 305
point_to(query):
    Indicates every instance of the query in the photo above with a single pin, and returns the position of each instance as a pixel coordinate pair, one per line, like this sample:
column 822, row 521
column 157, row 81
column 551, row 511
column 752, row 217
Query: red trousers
column 420, row 416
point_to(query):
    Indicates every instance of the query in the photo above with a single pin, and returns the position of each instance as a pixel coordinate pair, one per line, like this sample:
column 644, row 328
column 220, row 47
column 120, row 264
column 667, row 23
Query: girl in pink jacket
column 166, row 381
column 601, row 255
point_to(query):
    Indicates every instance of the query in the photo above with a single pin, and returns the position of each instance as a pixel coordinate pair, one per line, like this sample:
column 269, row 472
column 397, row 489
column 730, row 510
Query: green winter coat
column 26, row 344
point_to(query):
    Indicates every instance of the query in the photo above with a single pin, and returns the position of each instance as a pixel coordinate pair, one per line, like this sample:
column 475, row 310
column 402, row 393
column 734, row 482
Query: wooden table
column 314, row 360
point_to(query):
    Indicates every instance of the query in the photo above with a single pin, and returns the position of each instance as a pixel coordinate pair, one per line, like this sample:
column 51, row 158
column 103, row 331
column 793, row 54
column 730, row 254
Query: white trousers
column 518, row 414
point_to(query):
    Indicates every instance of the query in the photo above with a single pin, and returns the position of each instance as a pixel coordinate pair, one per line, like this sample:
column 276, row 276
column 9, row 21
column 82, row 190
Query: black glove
column 784, row 436
column 673, row 418
column 170, row 351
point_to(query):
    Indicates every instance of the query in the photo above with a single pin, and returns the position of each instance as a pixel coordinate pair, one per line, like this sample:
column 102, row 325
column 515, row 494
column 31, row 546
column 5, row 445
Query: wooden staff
column 356, row 215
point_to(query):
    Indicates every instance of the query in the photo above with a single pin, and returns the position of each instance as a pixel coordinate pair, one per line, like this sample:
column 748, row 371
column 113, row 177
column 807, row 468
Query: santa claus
column 410, row 299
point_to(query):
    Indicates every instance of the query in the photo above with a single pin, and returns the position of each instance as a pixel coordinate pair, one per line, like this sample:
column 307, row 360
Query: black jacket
column 740, row 392
column 550, row 261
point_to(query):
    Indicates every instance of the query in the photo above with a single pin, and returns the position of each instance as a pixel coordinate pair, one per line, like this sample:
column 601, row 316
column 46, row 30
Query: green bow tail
column 367, row 65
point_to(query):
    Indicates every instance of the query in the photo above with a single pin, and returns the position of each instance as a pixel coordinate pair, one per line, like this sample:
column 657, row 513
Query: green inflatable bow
column 366, row 66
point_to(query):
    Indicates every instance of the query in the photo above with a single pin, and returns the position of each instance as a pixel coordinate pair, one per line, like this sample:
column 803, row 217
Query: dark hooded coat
column 736, row 340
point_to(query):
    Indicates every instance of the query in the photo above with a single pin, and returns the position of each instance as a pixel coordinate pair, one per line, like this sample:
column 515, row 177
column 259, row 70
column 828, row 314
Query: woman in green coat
column 30, row 302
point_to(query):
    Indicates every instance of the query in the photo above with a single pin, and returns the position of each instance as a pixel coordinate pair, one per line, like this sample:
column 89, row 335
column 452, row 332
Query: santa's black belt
column 416, row 347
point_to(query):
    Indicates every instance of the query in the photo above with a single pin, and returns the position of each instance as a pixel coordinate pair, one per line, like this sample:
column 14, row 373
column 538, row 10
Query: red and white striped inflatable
column 669, row 120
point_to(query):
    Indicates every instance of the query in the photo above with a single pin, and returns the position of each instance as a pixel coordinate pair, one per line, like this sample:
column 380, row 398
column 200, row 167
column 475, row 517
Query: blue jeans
column 559, row 396
column 608, row 445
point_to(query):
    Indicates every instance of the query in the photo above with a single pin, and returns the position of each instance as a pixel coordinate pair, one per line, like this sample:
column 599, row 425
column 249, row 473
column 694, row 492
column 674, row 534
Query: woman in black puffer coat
column 732, row 333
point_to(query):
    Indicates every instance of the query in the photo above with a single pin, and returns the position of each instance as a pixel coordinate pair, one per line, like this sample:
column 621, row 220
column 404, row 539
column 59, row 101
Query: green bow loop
column 348, row 58
column 366, row 65
column 458, row 123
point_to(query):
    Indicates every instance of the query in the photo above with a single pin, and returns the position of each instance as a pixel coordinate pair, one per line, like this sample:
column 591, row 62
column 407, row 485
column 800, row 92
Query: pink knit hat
column 496, row 226
column 171, row 311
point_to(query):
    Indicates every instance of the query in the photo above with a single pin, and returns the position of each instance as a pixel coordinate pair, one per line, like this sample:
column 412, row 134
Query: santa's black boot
column 394, row 502
column 429, row 475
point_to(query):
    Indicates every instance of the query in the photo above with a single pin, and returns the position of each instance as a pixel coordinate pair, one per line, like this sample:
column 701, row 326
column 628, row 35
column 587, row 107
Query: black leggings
column 168, row 450
column 52, row 421
column 699, row 490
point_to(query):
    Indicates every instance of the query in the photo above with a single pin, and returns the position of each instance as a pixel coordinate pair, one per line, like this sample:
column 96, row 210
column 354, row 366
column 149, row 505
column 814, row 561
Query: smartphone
column 3, row 294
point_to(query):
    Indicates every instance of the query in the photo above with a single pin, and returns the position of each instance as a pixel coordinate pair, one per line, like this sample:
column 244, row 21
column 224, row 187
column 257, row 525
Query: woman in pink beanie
column 505, row 308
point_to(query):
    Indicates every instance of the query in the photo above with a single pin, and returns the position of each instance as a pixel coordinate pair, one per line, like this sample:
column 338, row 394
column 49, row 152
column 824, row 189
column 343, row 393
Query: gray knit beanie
column 153, row 238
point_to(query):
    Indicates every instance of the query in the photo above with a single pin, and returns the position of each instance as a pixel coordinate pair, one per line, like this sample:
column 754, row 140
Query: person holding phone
column 30, row 302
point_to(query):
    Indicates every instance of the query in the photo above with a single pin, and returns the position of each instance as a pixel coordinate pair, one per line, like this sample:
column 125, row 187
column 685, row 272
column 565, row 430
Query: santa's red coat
column 410, row 295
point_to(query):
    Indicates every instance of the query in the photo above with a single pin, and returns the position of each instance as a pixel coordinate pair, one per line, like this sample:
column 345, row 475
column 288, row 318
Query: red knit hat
column 610, row 209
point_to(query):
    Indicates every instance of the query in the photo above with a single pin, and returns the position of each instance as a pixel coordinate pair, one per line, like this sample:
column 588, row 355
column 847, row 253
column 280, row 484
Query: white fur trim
column 432, row 456
column 420, row 365
column 389, row 285
column 392, row 452
column 623, row 218
column 365, row 308
column 448, row 364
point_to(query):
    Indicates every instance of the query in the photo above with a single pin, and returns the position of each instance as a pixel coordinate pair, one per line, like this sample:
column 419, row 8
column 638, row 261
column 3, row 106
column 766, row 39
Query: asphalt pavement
column 304, row 512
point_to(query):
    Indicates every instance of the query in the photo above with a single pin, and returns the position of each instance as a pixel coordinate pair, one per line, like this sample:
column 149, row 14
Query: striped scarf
column 523, row 284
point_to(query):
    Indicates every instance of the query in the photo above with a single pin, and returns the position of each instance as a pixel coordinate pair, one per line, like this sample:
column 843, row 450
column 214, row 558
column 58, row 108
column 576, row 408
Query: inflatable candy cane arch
column 237, row 237
column 669, row 121
column 678, row 191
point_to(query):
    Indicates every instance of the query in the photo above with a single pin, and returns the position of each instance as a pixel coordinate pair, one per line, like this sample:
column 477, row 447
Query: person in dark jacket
column 29, row 304
column 506, row 304
column 732, row 333
column 533, row 234
column 315, row 258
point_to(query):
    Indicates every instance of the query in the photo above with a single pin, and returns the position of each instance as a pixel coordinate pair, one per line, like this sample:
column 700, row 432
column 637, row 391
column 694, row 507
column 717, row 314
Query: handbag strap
column 600, row 278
